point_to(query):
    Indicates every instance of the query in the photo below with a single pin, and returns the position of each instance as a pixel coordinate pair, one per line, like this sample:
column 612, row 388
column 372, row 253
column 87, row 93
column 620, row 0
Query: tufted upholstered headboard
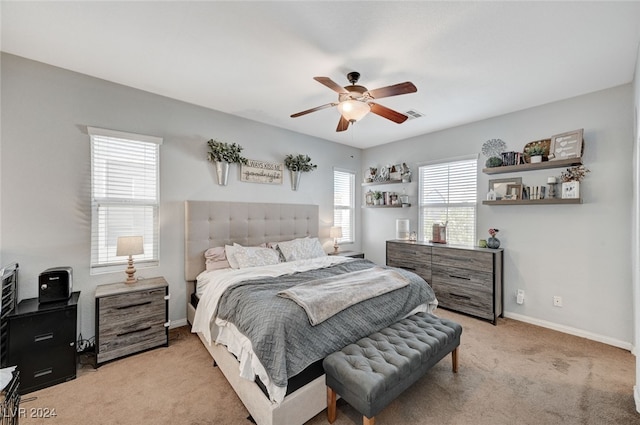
column 213, row 223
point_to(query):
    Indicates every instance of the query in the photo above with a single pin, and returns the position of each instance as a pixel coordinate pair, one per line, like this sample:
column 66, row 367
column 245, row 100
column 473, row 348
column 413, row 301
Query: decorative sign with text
column 256, row 171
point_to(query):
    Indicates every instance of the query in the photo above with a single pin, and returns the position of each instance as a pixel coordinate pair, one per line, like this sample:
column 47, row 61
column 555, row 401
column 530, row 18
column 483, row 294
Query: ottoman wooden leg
column 368, row 421
column 454, row 358
column 331, row 405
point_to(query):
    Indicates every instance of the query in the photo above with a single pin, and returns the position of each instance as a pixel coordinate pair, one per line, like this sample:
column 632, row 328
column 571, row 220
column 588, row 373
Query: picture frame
column 499, row 186
column 567, row 145
column 514, row 191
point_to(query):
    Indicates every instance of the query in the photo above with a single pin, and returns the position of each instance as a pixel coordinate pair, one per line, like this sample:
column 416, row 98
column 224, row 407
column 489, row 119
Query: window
column 344, row 203
column 124, row 196
column 447, row 194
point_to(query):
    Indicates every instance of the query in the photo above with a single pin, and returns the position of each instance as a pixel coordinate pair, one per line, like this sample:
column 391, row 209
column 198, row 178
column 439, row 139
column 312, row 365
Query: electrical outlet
column 557, row 301
column 520, row 296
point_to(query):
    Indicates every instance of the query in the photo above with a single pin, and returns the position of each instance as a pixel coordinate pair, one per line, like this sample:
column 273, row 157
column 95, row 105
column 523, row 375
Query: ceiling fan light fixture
column 353, row 110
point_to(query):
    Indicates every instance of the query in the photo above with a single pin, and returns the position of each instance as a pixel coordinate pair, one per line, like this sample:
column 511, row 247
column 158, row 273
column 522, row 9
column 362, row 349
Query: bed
column 211, row 224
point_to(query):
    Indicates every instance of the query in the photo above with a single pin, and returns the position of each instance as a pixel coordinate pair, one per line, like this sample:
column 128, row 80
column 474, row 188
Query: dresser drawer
column 460, row 258
column 474, row 280
column 39, row 369
column 464, row 299
column 416, row 258
column 122, row 342
column 118, row 310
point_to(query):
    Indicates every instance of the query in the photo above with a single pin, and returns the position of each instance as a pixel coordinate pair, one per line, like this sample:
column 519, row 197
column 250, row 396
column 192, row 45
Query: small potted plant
column 377, row 195
column 223, row 154
column 297, row 164
column 535, row 153
column 571, row 181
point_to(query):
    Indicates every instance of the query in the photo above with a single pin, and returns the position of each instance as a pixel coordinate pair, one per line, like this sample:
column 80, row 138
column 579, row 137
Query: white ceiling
column 257, row 60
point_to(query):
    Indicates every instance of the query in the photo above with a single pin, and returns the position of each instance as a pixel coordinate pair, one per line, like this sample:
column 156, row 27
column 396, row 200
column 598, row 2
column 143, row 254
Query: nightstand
column 352, row 254
column 131, row 318
column 42, row 342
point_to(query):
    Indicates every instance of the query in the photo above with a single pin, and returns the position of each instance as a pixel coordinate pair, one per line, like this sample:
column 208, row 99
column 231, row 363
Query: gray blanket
column 280, row 332
column 322, row 298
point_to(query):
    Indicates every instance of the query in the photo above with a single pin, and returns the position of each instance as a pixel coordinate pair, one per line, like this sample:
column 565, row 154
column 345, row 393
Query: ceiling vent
column 413, row 114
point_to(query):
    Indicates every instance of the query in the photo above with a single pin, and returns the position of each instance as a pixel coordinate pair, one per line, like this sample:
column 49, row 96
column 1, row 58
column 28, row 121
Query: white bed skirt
column 296, row 408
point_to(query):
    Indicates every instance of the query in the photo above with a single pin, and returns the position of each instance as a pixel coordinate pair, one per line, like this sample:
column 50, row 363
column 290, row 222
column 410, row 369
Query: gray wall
column 580, row 252
column 635, row 252
column 45, row 172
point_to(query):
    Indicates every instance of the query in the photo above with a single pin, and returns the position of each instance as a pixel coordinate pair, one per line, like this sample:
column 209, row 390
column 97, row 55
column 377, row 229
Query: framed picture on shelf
column 566, row 145
column 514, row 191
column 499, row 186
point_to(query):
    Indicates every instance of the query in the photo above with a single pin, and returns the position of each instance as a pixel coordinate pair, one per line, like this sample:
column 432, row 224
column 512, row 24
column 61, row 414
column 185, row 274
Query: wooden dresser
column 131, row 318
column 465, row 279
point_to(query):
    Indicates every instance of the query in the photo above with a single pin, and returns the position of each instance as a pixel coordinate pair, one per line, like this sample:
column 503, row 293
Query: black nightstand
column 42, row 342
column 352, row 254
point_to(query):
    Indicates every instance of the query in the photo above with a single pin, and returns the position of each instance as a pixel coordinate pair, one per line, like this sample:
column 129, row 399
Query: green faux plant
column 225, row 152
column 299, row 163
column 535, row 150
column 377, row 195
column 494, row 161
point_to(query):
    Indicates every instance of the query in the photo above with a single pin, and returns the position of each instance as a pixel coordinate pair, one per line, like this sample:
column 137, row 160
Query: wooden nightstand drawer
column 131, row 318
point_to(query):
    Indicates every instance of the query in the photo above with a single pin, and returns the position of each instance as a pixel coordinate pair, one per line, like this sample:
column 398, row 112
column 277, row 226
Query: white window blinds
column 124, row 195
column 344, row 203
column 447, row 194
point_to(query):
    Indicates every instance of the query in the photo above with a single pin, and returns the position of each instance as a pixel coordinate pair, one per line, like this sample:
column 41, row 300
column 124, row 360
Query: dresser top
column 122, row 288
column 445, row 245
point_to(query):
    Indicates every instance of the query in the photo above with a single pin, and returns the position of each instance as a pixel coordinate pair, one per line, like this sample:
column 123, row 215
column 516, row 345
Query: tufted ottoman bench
column 371, row 373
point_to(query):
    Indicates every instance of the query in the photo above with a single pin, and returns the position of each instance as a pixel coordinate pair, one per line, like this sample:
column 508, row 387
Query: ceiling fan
column 354, row 101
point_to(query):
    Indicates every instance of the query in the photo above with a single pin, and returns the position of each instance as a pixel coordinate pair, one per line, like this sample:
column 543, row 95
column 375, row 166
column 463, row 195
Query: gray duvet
column 280, row 332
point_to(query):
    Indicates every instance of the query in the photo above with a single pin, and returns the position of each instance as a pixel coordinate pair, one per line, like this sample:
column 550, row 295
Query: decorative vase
column 493, row 243
column 295, row 179
column 222, row 169
column 536, row 158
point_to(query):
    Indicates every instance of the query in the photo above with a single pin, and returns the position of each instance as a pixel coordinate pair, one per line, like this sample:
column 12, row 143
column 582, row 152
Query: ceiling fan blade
column 343, row 124
column 387, row 113
column 394, row 90
column 331, row 84
column 317, row 108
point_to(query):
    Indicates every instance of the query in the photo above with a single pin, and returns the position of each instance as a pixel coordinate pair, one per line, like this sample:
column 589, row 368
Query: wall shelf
column 560, row 163
column 384, row 182
column 547, row 201
column 386, row 206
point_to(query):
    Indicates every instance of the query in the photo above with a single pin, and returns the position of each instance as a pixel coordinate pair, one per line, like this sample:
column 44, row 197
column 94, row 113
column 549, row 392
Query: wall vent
column 413, row 114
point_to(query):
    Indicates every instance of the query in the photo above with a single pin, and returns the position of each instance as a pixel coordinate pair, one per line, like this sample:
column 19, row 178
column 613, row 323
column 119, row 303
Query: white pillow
column 256, row 256
column 230, row 251
column 301, row 249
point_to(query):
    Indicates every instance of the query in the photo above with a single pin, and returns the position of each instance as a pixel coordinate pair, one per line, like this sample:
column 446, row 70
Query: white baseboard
column 178, row 323
column 571, row 331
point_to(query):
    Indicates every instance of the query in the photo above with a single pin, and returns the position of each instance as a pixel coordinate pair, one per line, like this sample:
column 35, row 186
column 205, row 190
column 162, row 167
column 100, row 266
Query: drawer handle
column 42, row 372
column 136, row 331
column 407, row 268
column 124, row 307
column 43, row 337
column 459, row 277
column 464, row 297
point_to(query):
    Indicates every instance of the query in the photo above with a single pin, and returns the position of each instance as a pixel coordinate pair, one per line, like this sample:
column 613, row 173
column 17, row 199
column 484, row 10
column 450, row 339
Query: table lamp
column 130, row 245
column 336, row 233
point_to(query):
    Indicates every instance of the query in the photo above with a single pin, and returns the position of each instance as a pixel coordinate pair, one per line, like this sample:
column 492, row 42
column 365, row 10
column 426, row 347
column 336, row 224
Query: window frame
column 143, row 202
column 424, row 235
column 350, row 236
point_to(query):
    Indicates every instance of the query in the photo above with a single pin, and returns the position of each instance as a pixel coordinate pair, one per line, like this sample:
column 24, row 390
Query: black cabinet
column 42, row 342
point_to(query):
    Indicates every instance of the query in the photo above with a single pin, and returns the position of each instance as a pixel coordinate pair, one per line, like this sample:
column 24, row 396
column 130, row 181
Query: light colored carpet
column 513, row 373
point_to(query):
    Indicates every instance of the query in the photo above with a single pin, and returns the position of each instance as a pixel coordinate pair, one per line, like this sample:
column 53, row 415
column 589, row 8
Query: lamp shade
column 335, row 232
column 353, row 110
column 129, row 245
